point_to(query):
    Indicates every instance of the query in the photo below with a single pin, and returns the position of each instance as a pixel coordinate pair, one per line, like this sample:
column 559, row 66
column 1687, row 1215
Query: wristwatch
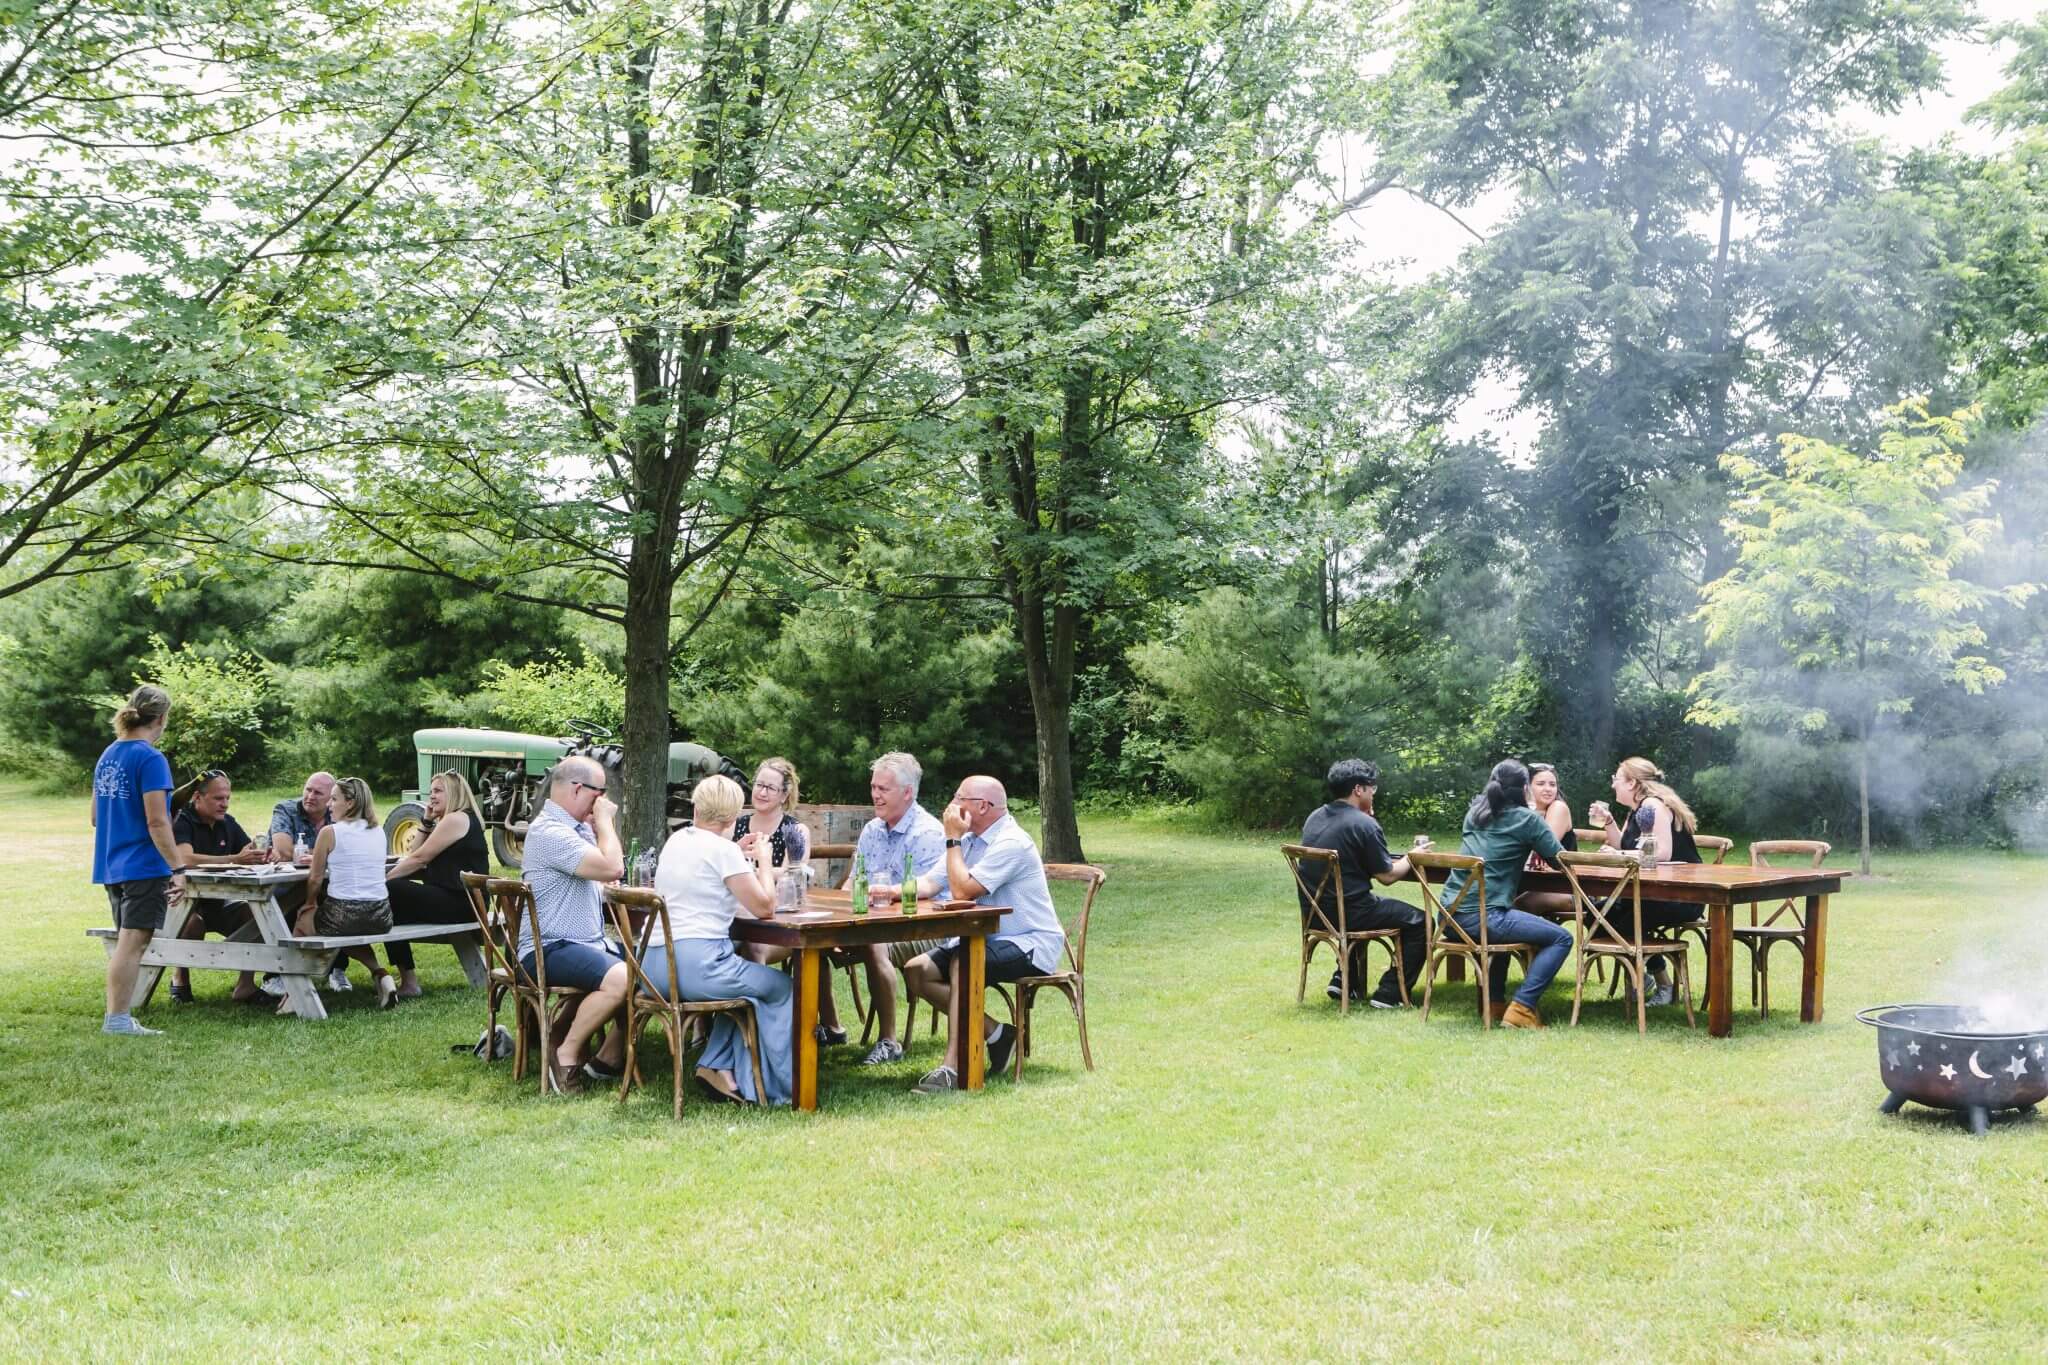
column 952, row 843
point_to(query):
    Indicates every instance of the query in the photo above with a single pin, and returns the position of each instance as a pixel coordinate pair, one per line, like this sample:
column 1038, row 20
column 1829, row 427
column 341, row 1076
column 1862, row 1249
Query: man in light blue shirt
column 900, row 825
column 991, row 859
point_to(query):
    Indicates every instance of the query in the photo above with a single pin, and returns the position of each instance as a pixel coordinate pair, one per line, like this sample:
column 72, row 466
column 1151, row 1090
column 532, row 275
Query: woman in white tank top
column 345, row 885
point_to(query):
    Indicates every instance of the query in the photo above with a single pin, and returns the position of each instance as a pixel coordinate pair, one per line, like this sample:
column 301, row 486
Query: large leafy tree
column 1690, row 255
column 1847, row 600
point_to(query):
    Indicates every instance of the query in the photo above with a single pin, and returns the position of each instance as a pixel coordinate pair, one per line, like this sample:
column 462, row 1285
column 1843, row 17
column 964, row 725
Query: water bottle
column 909, row 883
column 860, row 885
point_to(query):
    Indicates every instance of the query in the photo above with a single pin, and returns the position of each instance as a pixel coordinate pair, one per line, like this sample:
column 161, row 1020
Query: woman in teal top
column 1502, row 832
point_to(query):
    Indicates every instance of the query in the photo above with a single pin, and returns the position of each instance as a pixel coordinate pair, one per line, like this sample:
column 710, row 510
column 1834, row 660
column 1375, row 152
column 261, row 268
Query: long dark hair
column 1508, row 786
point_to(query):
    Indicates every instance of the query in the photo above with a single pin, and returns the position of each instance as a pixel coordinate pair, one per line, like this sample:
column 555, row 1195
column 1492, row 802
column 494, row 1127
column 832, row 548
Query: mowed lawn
column 1242, row 1177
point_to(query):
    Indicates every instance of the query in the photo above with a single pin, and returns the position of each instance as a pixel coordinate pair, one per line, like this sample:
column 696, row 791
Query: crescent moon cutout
column 1979, row 1072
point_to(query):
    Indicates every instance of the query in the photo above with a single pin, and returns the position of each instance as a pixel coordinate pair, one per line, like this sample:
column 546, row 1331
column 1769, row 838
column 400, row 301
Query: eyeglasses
column 770, row 787
column 587, row 787
column 983, row 799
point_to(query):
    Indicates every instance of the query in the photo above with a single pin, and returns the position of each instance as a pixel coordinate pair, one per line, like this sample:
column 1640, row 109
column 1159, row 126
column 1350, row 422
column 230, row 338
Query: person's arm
column 605, row 863
column 957, row 876
column 452, row 827
column 282, row 845
column 156, row 812
column 1545, row 843
column 754, row 889
column 1610, row 831
column 316, row 871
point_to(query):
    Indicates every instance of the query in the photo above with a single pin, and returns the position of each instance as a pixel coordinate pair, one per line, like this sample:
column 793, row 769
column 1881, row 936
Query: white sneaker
column 273, row 985
column 886, row 1051
column 337, row 980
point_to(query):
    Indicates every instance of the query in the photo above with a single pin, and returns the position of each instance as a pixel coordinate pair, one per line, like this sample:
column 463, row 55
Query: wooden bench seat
column 400, row 933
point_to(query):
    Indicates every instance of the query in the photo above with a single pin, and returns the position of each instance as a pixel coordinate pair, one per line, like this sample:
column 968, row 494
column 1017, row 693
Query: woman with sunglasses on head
column 1661, row 825
column 425, row 886
column 1547, row 801
column 210, row 837
column 345, row 886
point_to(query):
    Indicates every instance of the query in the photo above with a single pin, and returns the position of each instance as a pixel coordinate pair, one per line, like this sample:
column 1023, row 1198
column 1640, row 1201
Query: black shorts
column 220, row 917
column 1003, row 960
column 140, row 904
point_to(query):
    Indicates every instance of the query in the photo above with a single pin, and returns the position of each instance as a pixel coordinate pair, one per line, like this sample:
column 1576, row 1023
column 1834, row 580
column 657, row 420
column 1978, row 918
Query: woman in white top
column 345, row 885
column 706, row 880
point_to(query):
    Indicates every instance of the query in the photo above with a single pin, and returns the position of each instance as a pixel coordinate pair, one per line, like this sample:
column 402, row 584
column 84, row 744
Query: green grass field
column 1241, row 1177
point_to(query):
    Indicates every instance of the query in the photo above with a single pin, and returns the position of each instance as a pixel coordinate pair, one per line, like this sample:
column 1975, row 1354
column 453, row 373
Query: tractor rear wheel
column 509, row 847
column 403, row 825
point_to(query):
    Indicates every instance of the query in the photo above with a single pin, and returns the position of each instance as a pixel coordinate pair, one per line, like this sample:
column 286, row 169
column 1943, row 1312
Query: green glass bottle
column 859, row 888
column 633, row 864
column 909, row 883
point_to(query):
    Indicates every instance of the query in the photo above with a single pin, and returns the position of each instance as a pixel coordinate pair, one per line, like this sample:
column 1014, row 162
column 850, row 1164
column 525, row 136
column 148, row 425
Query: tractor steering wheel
column 586, row 729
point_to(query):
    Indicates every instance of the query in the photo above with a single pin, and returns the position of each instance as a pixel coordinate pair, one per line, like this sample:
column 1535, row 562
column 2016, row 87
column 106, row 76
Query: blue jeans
column 709, row 969
column 1553, row 944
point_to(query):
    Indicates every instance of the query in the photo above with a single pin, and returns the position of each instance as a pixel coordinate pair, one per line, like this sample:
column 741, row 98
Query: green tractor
column 509, row 774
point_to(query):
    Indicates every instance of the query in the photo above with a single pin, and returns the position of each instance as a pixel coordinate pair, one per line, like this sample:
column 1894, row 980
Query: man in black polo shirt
column 209, row 837
column 1346, row 826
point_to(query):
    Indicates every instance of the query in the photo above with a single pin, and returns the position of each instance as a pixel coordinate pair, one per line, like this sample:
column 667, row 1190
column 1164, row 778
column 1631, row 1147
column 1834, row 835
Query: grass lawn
column 1242, row 1177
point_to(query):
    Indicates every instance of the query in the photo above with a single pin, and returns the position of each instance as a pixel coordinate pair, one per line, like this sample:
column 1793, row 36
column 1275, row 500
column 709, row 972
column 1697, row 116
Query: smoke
column 2003, row 984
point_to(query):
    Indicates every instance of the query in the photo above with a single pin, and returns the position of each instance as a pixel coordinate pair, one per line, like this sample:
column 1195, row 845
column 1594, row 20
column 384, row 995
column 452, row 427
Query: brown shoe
column 1497, row 1011
column 564, row 1080
column 1520, row 1015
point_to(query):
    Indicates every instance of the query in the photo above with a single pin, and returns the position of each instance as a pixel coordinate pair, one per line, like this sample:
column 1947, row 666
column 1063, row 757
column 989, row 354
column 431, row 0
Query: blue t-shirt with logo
column 122, row 850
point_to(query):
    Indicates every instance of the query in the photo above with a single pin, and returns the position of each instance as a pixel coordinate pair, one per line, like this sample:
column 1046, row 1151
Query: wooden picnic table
column 825, row 920
column 268, row 942
column 1720, row 889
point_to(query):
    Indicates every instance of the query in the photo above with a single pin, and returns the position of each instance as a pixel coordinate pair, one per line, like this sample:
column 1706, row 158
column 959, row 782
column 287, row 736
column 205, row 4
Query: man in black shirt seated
column 209, row 837
column 1346, row 826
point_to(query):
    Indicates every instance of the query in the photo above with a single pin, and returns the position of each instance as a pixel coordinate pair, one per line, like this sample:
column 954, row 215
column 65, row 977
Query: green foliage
column 544, row 695
column 221, row 705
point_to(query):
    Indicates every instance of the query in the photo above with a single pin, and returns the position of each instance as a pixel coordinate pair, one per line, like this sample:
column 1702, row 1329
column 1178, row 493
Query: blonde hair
column 358, row 793
column 789, row 787
column 716, row 800
column 145, row 706
column 460, row 797
column 1649, row 780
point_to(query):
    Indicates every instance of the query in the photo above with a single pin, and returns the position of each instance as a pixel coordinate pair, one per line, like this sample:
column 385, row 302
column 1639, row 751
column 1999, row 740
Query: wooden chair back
column 1815, row 851
column 1077, row 932
column 498, row 951
column 1315, row 871
column 1603, row 917
column 1715, row 844
column 635, row 911
column 1436, row 912
column 512, row 902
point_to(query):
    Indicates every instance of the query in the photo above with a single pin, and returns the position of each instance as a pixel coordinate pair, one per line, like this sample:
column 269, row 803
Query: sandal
column 181, row 993
column 715, row 1092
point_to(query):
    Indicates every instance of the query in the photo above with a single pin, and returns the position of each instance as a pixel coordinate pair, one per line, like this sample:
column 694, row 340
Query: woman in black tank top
column 425, row 886
column 1662, row 825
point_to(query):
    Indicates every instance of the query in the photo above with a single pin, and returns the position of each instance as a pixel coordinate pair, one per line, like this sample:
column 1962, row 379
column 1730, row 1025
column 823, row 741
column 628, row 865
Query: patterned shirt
column 565, row 906
column 789, row 842
column 881, row 849
column 289, row 818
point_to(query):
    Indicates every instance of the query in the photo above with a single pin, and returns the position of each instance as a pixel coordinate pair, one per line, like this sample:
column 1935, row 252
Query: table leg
column 1813, row 975
column 471, row 959
column 1454, row 968
column 147, row 978
column 806, row 1026
column 968, row 1012
column 298, row 987
column 1720, row 976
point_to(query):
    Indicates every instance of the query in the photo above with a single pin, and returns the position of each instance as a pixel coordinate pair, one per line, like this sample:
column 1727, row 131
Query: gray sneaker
column 337, row 980
column 1661, row 993
column 939, row 1082
column 885, row 1052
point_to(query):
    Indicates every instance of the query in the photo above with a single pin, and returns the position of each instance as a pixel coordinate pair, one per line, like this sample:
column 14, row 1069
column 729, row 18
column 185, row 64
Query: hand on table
column 253, row 854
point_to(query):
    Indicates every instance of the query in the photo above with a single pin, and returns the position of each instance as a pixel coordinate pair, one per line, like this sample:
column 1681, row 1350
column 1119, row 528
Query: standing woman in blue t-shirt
column 133, row 852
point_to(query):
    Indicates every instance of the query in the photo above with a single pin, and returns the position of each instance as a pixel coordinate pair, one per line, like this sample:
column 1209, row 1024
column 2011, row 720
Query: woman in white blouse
column 706, row 880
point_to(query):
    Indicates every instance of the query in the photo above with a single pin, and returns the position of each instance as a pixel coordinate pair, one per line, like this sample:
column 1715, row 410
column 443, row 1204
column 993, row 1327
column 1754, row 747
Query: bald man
column 294, row 825
column 572, row 850
column 992, row 861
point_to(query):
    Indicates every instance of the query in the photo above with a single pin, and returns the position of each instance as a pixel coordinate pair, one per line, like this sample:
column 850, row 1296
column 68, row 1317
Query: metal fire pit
column 1944, row 1056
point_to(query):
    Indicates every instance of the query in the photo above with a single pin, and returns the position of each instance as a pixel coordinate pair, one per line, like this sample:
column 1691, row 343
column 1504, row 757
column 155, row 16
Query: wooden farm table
column 826, row 920
column 1720, row 889
column 268, row 943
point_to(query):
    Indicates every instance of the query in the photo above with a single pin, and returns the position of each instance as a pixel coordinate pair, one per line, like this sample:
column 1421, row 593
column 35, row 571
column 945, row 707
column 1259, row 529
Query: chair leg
column 1760, row 970
column 1400, row 970
column 1642, row 1005
column 547, row 1046
column 1021, row 1013
column 1579, row 982
column 1429, row 966
column 1080, row 1002
column 1343, row 976
column 750, row 1033
column 1308, row 948
column 672, row 1027
column 1685, row 988
column 1484, row 969
column 634, row 1023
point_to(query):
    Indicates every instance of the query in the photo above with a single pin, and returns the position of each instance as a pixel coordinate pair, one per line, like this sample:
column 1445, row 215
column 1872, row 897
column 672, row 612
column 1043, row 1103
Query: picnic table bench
column 269, row 944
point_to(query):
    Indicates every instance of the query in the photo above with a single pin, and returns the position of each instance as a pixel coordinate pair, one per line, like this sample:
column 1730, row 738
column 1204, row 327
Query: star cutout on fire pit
column 2041, row 1049
column 1891, row 1059
column 1914, row 1048
column 1948, row 1073
column 2016, row 1068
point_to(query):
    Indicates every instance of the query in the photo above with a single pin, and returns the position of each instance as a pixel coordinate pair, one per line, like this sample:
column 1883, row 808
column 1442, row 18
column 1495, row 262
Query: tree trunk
column 1863, row 792
column 645, row 800
column 1052, row 702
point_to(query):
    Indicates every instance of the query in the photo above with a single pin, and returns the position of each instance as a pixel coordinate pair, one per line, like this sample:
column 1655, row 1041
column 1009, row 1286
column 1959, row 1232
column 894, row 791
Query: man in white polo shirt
column 991, row 860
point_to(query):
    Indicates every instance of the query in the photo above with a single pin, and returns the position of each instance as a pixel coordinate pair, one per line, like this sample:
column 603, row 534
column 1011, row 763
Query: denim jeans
column 1553, row 944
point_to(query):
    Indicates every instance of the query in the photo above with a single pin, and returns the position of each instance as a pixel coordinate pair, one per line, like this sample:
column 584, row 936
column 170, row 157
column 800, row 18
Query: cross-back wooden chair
column 511, row 902
column 635, row 911
column 1068, row 981
column 1713, row 848
column 1446, row 937
column 1315, row 871
column 1786, row 924
column 497, row 951
column 1611, row 926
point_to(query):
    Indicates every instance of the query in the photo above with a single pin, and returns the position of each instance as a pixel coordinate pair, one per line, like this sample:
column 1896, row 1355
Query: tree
column 1692, row 254
column 1846, row 600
